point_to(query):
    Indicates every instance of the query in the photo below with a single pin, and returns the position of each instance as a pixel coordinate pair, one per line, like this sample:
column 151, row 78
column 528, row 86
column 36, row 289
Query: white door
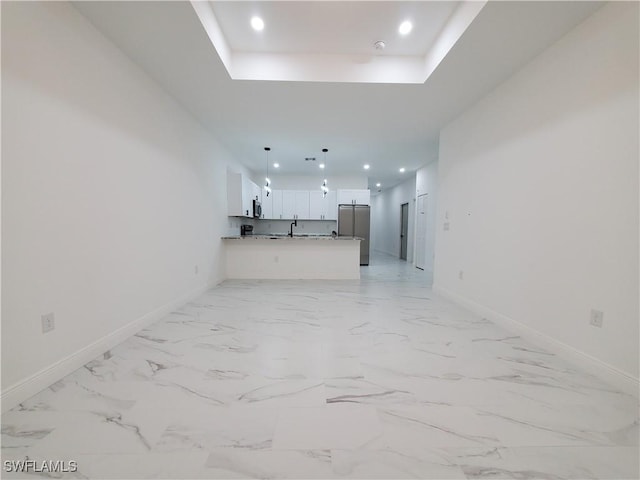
column 421, row 232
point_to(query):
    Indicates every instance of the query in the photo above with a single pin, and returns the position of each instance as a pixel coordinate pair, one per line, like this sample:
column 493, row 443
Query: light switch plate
column 597, row 318
column 48, row 322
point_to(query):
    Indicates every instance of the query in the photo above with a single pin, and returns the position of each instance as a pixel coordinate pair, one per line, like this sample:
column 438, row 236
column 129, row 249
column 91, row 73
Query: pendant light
column 324, row 187
column 267, row 185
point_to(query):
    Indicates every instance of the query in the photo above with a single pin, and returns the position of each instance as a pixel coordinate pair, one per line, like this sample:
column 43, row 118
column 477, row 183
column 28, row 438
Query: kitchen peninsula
column 264, row 254
column 298, row 257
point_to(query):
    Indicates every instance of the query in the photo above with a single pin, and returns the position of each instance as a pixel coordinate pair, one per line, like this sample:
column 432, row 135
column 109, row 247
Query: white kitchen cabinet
column 316, row 205
column 256, row 192
column 331, row 206
column 354, row 197
column 276, row 213
column 299, row 205
column 363, row 197
column 288, row 204
column 323, row 207
column 241, row 192
column 295, row 204
column 302, row 205
column 267, row 205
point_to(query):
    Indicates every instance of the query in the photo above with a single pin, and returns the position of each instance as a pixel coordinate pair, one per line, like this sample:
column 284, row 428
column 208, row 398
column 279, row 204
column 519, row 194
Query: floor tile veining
column 376, row 378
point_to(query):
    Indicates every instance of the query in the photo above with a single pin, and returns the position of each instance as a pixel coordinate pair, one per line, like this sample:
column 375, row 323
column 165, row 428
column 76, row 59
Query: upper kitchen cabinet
column 316, row 205
column 299, row 205
column 295, row 204
column 331, row 206
column 267, row 204
column 241, row 192
column 256, row 192
column 323, row 207
column 288, row 204
column 302, row 205
column 272, row 205
column 276, row 201
column 354, row 197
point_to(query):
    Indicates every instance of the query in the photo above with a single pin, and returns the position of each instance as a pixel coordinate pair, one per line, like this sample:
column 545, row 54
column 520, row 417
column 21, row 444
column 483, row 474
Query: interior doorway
column 404, row 230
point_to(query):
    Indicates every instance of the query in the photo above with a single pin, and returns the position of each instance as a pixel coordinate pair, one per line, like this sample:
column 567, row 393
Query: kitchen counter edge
column 286, row 237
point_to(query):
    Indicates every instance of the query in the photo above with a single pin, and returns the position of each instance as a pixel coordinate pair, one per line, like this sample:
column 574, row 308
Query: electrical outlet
column 195, row 269
column 276, row 259
column 446, row 226
column 597, row 318
column 461, row 274
column 48, row 322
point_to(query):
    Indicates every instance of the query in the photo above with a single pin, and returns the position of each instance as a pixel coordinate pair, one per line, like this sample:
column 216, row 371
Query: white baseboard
column 24, row 389
column 608, row 373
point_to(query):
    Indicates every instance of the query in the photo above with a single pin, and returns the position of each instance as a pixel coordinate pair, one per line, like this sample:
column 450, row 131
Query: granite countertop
column 280, row 236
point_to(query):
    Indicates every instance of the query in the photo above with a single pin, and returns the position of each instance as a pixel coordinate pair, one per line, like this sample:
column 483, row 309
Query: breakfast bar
column 303, row 257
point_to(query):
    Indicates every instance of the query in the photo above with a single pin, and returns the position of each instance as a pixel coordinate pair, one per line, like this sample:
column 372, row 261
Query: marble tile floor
column 376, row 378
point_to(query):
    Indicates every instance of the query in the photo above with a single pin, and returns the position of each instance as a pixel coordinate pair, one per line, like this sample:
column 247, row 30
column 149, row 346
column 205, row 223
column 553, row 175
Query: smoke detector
column 379, row 45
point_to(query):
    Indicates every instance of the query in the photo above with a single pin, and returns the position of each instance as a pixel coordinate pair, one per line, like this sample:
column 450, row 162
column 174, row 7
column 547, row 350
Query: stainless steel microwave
column 257, row 209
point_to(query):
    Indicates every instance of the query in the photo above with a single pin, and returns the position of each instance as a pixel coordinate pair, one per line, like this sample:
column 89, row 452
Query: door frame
column 421, row 222
column 404, row 239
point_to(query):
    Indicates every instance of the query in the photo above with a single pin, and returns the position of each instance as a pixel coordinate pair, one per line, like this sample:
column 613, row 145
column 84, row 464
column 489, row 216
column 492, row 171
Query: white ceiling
column 386, row 125
column 345, row 28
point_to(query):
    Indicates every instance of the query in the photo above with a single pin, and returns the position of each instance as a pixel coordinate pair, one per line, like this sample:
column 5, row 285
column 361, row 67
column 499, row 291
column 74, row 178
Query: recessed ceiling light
column 366, row 167
column 321, row 165
column 378, row 184
column 257, row 23
column 405, row 27
column 276, row 165
column 402, row 170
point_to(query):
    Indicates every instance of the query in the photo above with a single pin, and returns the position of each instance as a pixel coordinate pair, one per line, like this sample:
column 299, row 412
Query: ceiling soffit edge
column 316, row 67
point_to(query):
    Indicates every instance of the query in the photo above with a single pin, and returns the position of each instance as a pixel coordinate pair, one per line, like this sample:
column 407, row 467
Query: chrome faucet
column 294, row 223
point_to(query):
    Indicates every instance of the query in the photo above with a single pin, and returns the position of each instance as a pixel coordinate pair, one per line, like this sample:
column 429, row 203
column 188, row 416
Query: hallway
column 376, row 378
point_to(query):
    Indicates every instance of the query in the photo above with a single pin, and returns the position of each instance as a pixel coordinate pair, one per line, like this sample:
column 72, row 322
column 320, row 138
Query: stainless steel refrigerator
column 354, row 221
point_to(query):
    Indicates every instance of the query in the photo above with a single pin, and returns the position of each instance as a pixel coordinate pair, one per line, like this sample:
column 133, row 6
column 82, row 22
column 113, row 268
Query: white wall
column 112, row 195
column 385, row 218
column 427, row 184
column 540, row 182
